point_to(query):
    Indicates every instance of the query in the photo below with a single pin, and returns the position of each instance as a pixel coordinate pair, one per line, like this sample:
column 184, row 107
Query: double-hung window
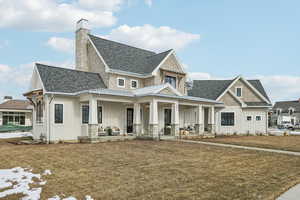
column 239, row 92
column 85, row 109
column 121, row 82
column 227, row 119
column 99, row 114
column 171, row 80
column 39, row 112
column 58, row 113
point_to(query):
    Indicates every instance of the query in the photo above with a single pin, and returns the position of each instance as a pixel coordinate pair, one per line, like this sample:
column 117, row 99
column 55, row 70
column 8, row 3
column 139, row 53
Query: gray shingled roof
column 285, row 105
column 57, row 79
column 127, row 58
column 212, row 89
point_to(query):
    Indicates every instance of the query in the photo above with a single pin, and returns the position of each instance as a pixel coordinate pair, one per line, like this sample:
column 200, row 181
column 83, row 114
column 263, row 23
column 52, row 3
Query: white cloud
column 149, row 2
column 152, row 38
column 61, row 44
column 199, row 76
column 54, row 15
column 281, row 87
column 111, row 5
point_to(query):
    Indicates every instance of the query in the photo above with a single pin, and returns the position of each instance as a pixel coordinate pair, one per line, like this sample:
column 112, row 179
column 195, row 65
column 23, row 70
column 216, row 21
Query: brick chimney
column 82, row 31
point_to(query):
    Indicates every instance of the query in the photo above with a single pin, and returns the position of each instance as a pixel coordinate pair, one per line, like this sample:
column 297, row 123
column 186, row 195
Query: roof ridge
column 122, row 44
column 46, row 65
column 160, row 53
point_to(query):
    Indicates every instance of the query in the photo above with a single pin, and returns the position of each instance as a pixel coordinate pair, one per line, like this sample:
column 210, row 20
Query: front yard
column 154, row 170
column 288, row 143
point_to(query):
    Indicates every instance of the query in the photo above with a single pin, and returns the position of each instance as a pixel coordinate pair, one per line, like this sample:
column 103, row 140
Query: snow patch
column 15, row 135
column 47, row 172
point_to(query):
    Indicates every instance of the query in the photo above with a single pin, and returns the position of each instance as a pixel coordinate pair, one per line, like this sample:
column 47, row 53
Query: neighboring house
column 246, row 104
column 115, row 85
column 288, row 111
column 16, row 112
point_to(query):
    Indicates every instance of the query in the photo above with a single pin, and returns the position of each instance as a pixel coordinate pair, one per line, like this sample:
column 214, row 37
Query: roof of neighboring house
column 126, row 58
column 212, row 89
column 57, row 79
column 285, row 105
column 16, row 105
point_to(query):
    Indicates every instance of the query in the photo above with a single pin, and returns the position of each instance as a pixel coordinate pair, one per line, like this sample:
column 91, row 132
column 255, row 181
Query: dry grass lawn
column 155, row 170
column 288, row 143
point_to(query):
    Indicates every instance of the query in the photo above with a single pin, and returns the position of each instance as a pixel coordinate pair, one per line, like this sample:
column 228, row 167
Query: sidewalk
column 291, row 194
column 240, row 147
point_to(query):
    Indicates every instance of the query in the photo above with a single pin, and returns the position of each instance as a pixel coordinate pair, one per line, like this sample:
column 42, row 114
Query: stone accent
column 93, row 131
column 137, row 129
column 153, row 131
column 175, row 130
column 212, row 128
column 81, row 49
column 199, row 129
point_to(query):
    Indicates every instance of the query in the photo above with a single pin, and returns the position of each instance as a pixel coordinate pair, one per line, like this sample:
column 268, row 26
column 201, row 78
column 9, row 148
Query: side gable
column 248, row 95
column 35, row 81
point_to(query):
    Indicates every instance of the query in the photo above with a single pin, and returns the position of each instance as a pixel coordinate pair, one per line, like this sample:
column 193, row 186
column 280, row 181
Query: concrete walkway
column 291, row 194
column 240, row 147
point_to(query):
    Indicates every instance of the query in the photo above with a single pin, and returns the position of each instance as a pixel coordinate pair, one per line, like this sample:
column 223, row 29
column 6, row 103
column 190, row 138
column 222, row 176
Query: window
column 85, row 114
column 171, row 80
column 278, row 111
column 13, row 118
column 238, row 92
column 39, row 112
column 258, row 118
column 58, row 113
column 249, row 118
column 134, row 84
column 227, row 119
column 99, row 115
column 291, row 111
column 121, row 82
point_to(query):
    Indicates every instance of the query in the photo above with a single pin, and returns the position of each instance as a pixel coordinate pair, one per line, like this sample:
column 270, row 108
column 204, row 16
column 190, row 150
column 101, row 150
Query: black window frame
column 99, row 114
column 136, row 84
column 249, row 117
column 225, row 121
column 258, row 116
column 58, row 113
column 85, row 113
column 121, row 79
column 172, row 80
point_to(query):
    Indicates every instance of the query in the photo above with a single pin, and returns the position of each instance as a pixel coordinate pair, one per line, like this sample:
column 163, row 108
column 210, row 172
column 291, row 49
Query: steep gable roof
column 16, row 105
column 126, row 58
column 286, row 105
column 212, row 89
column 57, row 79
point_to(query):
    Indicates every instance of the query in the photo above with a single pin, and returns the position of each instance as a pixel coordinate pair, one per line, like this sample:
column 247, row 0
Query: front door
column 168, row 118
column 129, row 120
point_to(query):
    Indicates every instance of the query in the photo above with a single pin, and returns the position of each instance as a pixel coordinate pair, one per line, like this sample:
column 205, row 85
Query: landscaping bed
column 154, row 170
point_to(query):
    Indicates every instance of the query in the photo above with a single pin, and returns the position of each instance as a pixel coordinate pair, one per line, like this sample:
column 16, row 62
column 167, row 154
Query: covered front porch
column 110, row 117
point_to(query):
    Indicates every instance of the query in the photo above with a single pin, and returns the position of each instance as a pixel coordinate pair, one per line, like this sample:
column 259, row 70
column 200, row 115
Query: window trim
column 261, row 118
column 63, row 113
column 121, row 78
column 175, row 77
column 250, row 117
column 81, row 118
column 236, row 91
column 41, row 121
column 137, row 83
column 234, row 121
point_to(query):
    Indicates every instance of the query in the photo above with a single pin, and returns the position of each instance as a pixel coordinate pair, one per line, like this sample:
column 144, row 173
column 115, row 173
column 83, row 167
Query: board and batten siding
column 241, row 125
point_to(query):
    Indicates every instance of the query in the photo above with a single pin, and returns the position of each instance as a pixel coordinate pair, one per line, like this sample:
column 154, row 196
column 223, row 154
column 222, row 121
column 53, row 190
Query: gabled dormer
column 124, row 67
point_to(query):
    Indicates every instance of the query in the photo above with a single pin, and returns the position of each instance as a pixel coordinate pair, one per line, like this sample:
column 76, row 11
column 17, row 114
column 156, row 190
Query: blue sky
column 213, row 39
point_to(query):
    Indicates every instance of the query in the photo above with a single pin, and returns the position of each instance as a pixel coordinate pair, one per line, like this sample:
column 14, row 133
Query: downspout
column 49, row 118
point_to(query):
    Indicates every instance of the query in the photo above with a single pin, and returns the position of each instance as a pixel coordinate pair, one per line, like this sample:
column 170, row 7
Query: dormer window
column 291, row 111
column 121, row 82
column 171, row 80
column 278, row 111
column 134, row 84
column 238, row 92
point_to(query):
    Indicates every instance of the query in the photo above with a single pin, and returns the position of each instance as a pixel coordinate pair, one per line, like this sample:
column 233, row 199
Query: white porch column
column 199, row 125
column 153, row 119
column 137, row 119
column 212, row 120
column 93, row 119
column 175, row 119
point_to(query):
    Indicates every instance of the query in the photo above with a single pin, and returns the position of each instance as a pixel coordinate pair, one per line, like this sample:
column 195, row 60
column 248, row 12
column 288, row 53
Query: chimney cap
column 82, row 24
column 7, row 97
